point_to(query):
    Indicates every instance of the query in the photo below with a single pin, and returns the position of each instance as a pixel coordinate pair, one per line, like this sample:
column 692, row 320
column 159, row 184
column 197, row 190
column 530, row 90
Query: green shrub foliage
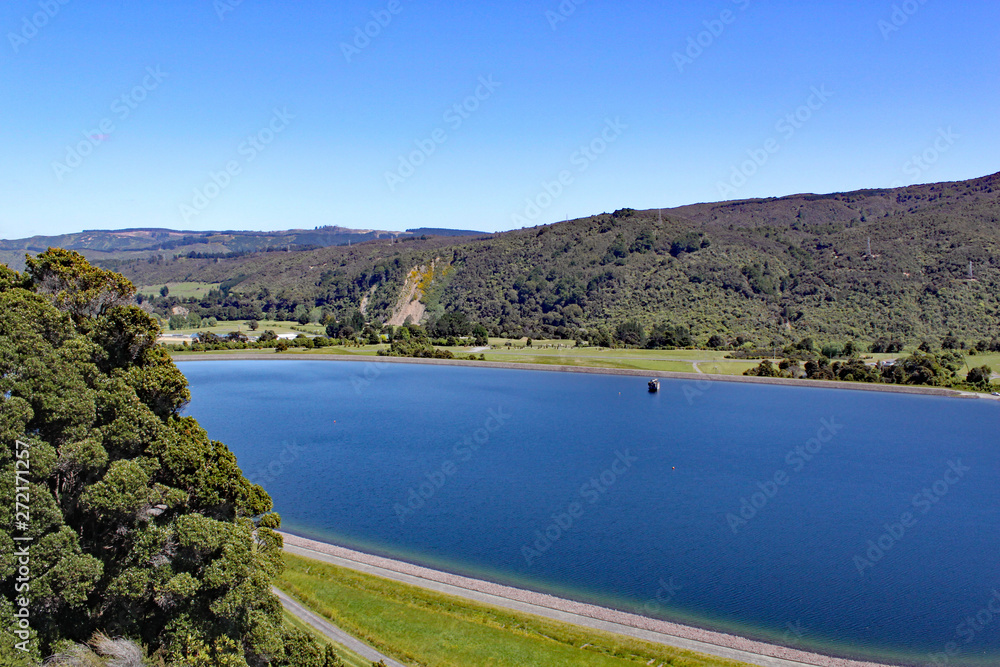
column 141, row 525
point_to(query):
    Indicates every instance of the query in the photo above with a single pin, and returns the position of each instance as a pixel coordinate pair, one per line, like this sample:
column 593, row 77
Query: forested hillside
column 112, row 246
column 769, row 270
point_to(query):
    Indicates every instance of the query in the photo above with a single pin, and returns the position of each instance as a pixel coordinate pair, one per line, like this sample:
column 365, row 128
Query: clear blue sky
column 680, row 121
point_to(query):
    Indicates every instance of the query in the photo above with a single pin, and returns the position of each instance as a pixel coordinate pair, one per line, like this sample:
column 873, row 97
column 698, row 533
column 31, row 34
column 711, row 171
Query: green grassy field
column 277, row 326
column 991, row 359
column 367, row 351
column 421, row 627
column 726, row 367
column 499, row 345
column 610, row 359
column 684, row 361
column 180, row 290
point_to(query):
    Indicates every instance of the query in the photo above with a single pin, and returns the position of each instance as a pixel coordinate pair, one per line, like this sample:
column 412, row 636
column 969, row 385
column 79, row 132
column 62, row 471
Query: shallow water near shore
column 856, row 523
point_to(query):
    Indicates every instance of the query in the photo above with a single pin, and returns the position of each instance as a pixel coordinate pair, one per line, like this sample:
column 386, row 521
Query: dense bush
column 141, row 525
column 416, row 347
column 919, row 368
column 979, row 376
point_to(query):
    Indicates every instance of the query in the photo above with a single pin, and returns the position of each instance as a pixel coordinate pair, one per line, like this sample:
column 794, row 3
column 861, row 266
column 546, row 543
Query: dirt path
column 599, row 618
column 331, row 631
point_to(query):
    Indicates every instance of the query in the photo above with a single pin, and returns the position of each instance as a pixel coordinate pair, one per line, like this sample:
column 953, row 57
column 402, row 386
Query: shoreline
column 676, row 635
column 672, row 375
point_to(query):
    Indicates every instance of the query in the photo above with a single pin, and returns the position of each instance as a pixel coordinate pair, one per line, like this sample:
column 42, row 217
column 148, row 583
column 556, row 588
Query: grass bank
column 277, row 326
column 422, row 627
column 609, row 360
column 679, row 361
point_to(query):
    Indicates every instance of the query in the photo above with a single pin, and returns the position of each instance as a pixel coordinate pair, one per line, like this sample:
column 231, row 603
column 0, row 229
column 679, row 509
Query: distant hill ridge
column 909, row 263
column 132, row 243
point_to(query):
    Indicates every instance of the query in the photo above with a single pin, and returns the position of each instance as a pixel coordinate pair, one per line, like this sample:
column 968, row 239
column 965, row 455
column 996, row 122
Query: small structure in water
column 654, row 386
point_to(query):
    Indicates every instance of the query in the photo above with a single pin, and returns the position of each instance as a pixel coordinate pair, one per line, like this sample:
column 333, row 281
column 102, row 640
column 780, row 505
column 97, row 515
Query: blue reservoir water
column 854, row 523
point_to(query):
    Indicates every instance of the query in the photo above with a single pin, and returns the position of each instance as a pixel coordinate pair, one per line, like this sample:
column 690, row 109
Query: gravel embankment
column 601, row 618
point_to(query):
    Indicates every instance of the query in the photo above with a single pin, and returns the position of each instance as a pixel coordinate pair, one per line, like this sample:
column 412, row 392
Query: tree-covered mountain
column 125, row 244
column 911, row 263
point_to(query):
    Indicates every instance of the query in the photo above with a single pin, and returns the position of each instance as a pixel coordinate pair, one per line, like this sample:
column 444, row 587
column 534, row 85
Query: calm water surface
column 862, row 524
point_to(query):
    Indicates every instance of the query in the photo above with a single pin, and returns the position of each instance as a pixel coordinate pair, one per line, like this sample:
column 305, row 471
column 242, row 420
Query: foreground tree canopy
column 140, row 525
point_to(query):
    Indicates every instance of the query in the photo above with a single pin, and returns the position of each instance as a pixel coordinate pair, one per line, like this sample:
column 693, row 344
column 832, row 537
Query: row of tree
column 919, row 368
column 454, row 326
